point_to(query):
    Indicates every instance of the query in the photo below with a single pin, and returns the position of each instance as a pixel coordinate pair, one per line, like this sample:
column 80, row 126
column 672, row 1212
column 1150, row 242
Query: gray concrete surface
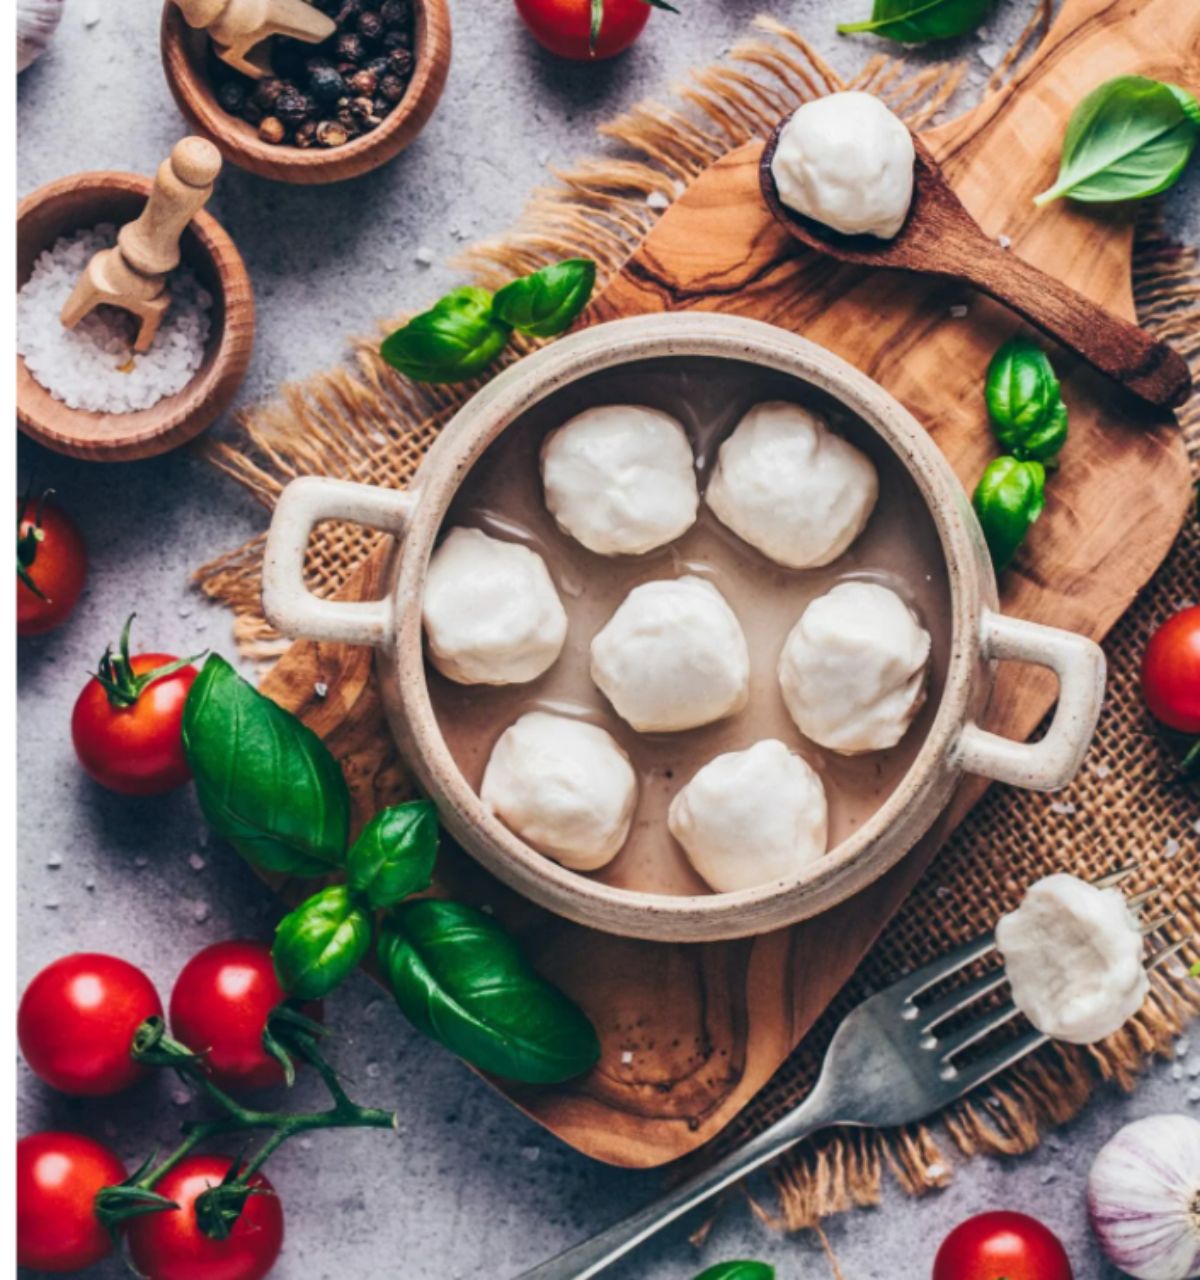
column 469, row 1188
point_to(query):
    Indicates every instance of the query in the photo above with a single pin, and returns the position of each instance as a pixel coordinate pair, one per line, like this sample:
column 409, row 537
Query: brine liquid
column 899, row 548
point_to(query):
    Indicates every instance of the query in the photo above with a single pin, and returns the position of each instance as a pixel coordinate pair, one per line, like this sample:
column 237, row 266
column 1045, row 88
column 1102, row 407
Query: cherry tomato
column 51, row 556
column 171, row 1246
column 127, row 722
column 564, row 26
column 1002, row 1246
column 220, row 1006
column 58, row 1176
column 76, row 1022
column 1171, row 672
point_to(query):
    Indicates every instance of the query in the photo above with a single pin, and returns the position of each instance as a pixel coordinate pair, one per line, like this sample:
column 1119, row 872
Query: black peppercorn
column 370, row 25
column 395, row 13
column 349, row 48
column 401, row 63
column 332, row 134
column 395, row 39
column 252, row 113
column 267, row 92
column 348, row 12
column 294, row 107
column 271, row 129
column 391, row 88
column 349, row 121
column 231, row 96
column 363, row 83
column 380, row 66
column 306, row 134
column 325, row 84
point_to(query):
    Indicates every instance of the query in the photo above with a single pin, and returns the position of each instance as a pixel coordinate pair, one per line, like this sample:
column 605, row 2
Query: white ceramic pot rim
column 954, row 743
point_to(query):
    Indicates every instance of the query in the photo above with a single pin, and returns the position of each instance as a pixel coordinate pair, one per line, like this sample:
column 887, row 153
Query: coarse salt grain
column 959, row 310
column 1062, row 806
column 94, row 366
column 657, row 200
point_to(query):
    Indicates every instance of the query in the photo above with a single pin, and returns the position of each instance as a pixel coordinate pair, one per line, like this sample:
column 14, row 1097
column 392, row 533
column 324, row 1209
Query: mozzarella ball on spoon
column 620, row 479
column 846, row 161
column 563, row 786
column 789, row 486
column 491, row 613
column 751, row 817
column 853, row 668
column 672, row 657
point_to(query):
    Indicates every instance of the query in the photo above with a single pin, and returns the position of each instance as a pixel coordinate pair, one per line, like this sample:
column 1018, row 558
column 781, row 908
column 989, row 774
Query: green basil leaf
column 916, row 21
column 393, row 857
column 1024, row 401
column 321, row 943
column 1010, row 496
column 1126, row 140
column 459, row 978
column 457, row 338
column 266, row 782
column 544, row 304
column 739, row 1271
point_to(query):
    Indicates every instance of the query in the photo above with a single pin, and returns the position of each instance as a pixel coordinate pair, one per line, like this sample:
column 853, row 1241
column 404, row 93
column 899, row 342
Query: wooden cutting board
column 690, row 1034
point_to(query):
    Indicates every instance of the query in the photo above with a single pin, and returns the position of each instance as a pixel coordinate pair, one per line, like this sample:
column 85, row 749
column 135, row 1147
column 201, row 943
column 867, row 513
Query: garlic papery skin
column 1144, row 1198
column 36, row 23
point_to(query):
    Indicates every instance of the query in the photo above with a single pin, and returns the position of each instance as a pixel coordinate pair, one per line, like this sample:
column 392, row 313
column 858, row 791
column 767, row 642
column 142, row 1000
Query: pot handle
column 287, row 602
column 1054, row 760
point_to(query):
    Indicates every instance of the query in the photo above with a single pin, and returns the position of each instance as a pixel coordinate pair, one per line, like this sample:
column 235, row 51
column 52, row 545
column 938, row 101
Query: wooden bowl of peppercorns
column 329, row 111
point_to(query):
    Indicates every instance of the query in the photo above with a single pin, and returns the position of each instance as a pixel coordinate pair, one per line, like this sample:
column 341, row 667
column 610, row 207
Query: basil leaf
column 321, row 943
column 916, row 21
column 1024, row 401
column 544, row 304
column 394, row 855
column 266, row 782
column 459, row 978
column 1010, row 496
column 457, row 338
column 1126, row 140
column 739, row 1271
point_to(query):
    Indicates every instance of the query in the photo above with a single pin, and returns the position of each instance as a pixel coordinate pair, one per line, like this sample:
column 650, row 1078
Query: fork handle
column 592, row 1256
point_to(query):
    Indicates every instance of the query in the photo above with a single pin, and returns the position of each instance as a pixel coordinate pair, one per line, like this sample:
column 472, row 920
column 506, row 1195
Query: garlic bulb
column 36, row 22
column 1144, row 1198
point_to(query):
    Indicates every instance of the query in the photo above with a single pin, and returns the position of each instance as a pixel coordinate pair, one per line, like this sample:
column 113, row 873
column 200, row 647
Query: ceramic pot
column 955, row 742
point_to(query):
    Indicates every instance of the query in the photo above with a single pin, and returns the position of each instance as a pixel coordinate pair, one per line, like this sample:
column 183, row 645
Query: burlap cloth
column 362, row 421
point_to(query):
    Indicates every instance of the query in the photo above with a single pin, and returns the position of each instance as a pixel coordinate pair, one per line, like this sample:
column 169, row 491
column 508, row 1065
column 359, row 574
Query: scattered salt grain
column 657, row 200
column 200, row 911
column 1048, row 1176
column 487, row 909
column 141, row 861
column 1005, row 242
column 94, row 366
column 943, row 891
column 371, row 1008
column 990, row 55
column 1062, row 806
column 90, row 885
column 180, row 1097
column 424, row 256
column 51, row 904
column 54, row 861
column 1182, row 1047
column 626, row 1058
column 373, row 1070
column 1171, row 847
column 937, row 1170
column 1177, row 1071
column 196, row 862
column 959, row 310
column 1102, row 771
column 1193, row 1094
column 306, row 1144
column 543, row 156
column 320, row 688
column 1193, row 1068
column 531, row 1154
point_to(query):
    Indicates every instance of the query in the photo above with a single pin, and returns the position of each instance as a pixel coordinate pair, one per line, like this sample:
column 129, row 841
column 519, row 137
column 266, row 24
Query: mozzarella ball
column 750, row 817
column 1074, row 958
column 789, row 486
column 620, row 479
column 563, row 786
column 853, row 668
column 672, row 657
column 491, row 613
column 846, row 161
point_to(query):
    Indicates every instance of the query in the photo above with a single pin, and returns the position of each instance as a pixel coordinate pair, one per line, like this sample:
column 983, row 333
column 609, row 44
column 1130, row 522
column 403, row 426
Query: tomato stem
column 29, row 541
column 116, row 675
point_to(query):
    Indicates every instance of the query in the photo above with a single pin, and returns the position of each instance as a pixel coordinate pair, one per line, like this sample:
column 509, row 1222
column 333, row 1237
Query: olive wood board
column 691, row 1033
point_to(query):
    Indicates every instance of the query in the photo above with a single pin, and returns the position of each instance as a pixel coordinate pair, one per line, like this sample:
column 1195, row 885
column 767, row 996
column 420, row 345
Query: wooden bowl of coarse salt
column 174, row 390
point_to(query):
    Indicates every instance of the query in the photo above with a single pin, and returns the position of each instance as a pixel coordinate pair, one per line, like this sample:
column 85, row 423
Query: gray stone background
column 469, row 1188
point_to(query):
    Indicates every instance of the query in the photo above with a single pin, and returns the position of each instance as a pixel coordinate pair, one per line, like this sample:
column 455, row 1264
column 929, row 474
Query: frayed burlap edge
column 363, row 421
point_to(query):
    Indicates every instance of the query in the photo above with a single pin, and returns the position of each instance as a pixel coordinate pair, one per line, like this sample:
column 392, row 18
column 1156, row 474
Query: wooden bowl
column 184, row 54
column 84, row 200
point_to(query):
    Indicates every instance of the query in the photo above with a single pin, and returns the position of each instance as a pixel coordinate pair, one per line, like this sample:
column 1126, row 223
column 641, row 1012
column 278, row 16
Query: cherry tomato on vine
column 77, row 1019
column 58, row 1176
column 171, row 1245
column 220, row 1006
column 51, row 566
column 565, row 26
column 127, row 722
column 1002, row 1246
column 1171, row 672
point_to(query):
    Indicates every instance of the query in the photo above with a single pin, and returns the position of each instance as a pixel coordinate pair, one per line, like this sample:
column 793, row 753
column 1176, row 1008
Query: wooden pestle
column 132, row 274
column 238, row 28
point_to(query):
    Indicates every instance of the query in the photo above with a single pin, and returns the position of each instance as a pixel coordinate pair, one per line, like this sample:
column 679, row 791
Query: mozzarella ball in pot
column 790, row 487
column 751, row 817
column 846, row 161
column 491, row 613
column 564, row 787
column 1074, row 958
column 620, row 479
column 672, row 657
column 853, row 669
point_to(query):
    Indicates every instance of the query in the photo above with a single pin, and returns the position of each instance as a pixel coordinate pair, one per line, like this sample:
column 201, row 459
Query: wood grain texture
column 707, row 1025
column 83, row 200
column 183, row 57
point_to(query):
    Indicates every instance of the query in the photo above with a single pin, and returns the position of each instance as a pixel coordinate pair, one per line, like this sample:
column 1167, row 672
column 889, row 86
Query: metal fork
column 890, row 1063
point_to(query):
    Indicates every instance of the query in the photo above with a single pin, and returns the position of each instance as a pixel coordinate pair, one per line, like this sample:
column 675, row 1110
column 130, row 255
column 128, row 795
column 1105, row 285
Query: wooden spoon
column 941, row 238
